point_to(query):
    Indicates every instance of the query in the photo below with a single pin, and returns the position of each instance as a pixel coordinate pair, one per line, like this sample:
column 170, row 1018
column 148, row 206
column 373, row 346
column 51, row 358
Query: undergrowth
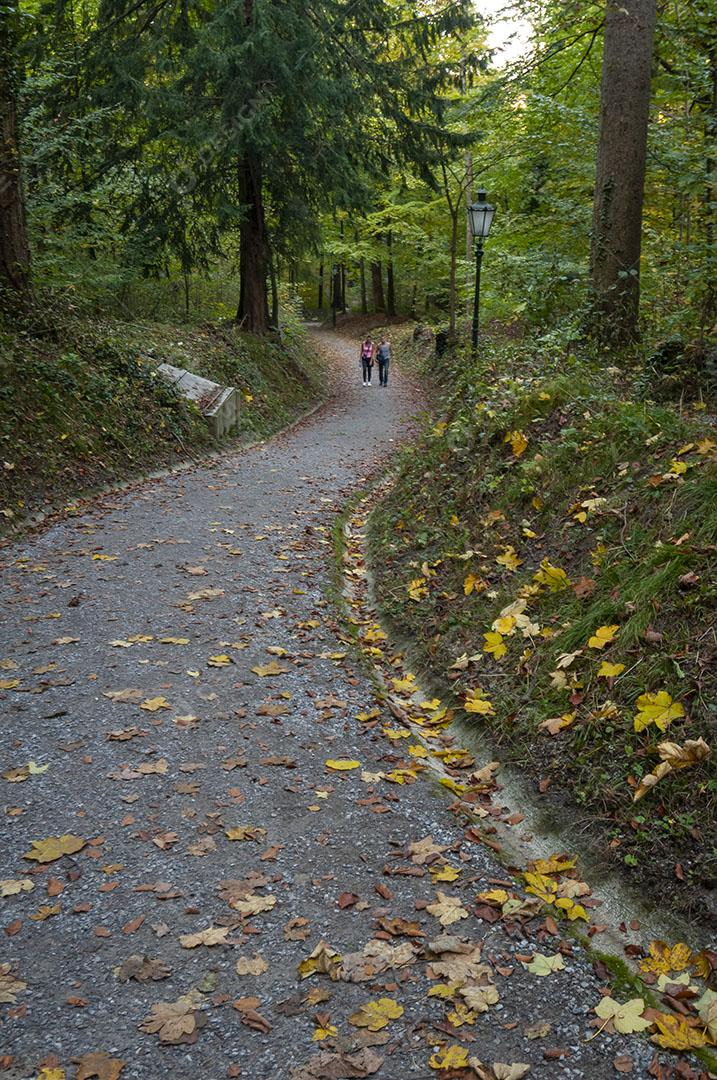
column 554, row 487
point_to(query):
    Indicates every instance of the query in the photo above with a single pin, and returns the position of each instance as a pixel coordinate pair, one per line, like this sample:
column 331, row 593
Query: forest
column 182, row 160
column 358, row 539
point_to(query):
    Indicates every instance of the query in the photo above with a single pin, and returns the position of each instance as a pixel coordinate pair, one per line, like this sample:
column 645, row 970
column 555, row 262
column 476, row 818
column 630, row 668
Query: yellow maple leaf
column 473, row 583
column 407, row 685
column 444, row 873
column 572, row 910
column 493, row 896
column 509, row 559
column 272, row 668
column 449, row 1057
column 551, row 576
column 658, row 709
column 664, row 958
column 417, row 589
column 154, row 704
column 476, row 702
column 603, row 636
column 342, row 764
column 461, row 1015
column 375, row 1015
column 401, row 776
column 245, row 832
column 673, row 1033
column 222, row 660
column 54, row 847
column 444, row 991
column 494, row 644
column 554, row 865
column 322, row 961
column 542, row 886
column 518, row 442
column 9, row 684
column 626, row 1018
column 504, row 624
column 324, row 1031
column 610, row 671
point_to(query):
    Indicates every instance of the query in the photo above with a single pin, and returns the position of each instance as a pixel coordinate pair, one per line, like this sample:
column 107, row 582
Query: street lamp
column 480, row 215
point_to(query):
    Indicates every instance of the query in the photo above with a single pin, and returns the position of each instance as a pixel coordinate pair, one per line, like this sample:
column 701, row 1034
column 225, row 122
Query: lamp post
column 480, row 215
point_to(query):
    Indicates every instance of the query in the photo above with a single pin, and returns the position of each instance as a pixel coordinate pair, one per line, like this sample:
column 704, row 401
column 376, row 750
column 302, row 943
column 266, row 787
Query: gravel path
column 207, row 787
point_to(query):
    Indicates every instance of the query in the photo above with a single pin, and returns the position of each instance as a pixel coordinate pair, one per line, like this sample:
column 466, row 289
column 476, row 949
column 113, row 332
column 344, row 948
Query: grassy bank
column 551, row 545
column 81, row 407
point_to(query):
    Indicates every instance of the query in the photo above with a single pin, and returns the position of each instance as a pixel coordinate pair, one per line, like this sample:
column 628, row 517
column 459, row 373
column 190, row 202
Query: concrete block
column 219, row 405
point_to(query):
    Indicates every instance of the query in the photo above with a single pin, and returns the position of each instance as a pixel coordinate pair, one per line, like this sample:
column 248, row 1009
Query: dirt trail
column 173, row 593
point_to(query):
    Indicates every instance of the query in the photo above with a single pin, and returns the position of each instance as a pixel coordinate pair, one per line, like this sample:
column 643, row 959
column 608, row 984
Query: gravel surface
column 232, row 562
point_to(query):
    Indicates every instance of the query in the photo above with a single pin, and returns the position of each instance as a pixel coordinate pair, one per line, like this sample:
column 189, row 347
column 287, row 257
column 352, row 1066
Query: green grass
column 644, row 559
column 81, row 406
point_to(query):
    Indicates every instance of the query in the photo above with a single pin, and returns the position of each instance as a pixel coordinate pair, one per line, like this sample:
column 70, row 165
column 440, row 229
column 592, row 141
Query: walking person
column 383, row 355
column 368, row 351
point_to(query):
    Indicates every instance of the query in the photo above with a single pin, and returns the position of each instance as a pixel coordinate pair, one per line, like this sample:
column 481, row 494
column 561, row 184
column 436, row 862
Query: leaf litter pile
column 222, row 853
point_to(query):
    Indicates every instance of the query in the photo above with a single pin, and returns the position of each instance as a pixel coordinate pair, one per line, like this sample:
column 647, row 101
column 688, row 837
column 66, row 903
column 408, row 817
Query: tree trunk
column 379, row 304
column 364, row 299
column 320, row 297
column 253, row 311
column 335, row 292
column 390, row 283
column 709, row 304
column 14, row 249
column 274, row 279
column 452, row 275
column 619, row 185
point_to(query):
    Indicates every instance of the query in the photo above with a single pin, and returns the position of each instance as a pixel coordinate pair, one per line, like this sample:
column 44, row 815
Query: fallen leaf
column 213, row 935
column 664, row 958
column 251, row 965
column 674, row 1033
column 626, row 1018
column 154, row 704
column 658, row 709
column 99, row 1065
column 375, row 1015
column 499, row 1071
column 603, row 636
column 142, row 969
column 175, row 1022
column 447, row 909
column 272, row 668
column 476, row 702
column 342, row 764
column 10, row 985
column 545, row 965
column 13, row 886
column 449, row 1057
column 54, row 847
